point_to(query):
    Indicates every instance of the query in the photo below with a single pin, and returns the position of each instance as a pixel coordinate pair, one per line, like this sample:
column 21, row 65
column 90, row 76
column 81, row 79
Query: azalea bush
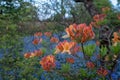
column 68, row 61
column 73, row 57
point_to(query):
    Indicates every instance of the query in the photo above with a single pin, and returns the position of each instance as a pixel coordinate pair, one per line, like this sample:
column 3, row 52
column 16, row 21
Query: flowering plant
column 75, row 59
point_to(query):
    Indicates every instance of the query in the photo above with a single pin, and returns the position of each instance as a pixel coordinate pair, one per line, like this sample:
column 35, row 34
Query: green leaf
column 43, row 50
column 89, row 49
column 103, row 51
column 83, row 72
column 115, row 49
column 65, row 68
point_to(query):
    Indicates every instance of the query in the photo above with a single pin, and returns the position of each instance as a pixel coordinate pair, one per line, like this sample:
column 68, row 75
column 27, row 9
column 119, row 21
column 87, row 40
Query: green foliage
column 45, row 43
column 115, row 49
column 44, row 50
column 89, row 49
column 12, row 64
column 87, row 74
column 29, row 68
column 65, row 68
column 102, row 3
column 17, row 9
column 103, row 22
column 9, row 68
column 83, row 72
column 14, row 13
column 54, row 27
column 111, row 16
column 15, row 66
column 79, row 14
column 103, row 51
column 113, row 20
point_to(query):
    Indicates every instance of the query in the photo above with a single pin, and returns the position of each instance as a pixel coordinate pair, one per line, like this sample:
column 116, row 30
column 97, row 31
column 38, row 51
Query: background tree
column 60, row 13
column 13, row 13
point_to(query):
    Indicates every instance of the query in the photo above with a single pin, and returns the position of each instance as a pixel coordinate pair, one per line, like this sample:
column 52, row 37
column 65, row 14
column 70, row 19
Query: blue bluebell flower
column 114, row 76
column 58, row 65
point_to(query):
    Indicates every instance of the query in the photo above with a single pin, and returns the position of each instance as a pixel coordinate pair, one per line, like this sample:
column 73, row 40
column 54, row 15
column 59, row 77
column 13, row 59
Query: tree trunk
column 89, row 6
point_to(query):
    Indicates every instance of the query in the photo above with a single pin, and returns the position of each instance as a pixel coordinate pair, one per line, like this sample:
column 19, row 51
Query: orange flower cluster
column 27, row 55
column 48, row 62
column 75, row 49
column 70, row 60
column 37, row 41
column 38, row 53
column 116, row 37
column 90, row 65
column 38, row 34
column 64, row 47
column 105, row 9
column 33, row 54
column 80, row 33
column 54, row 40
column 102, row 72
column 99, row 17
column 48, row 34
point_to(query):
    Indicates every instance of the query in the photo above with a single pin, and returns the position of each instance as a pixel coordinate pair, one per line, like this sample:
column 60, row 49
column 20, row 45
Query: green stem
column 83, row 50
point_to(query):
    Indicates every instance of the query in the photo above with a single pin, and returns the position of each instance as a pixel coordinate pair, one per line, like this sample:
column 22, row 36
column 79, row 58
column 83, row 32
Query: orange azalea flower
column 105, row 9
column 116, row 37
column 35, row 41
column 59, row 48
column 54, row 40
column 102, row 72
column 90, row 65
column 64, row 47
column 48, row 34
column 75, row 49
column 27, row 55
column 87, row 34
column 70, row 60
column 99, row 17
column 80, row 33
column 48, row 62
column 69, row 31
column 67, row 46
column 96, row 18
column 32, row 54
column 80, row 27
column 38, row 34
column 38, row 52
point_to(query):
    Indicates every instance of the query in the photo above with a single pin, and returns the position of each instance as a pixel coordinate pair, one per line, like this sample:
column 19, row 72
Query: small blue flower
column 114, row 76
column 80, row 54
column 58, row 65
column 43, row 75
